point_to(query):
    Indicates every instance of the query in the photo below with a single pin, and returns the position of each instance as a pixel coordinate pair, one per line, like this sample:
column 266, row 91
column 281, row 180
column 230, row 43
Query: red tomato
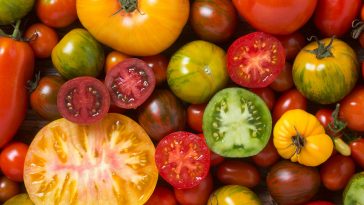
column 357, row 151
column 292, row 44
column 162, row 196
column 267, row 157
column 8, row 188
column 276, row 17
column 255, row 60
column 324, row 116
column 334, row 18
column 183, row 159
column 12, row 159
column 238, row 173
column 319, row 203
column 215, row 159
column 194, row 116
column 362, row 64
column 289, row 100
column 56, row 13
column 352, row 109
column 197, row 195
column 113, row 58
column 284, row 80
column 42, row 39
column 336, row 172
column 267, row 94
column 159, row 64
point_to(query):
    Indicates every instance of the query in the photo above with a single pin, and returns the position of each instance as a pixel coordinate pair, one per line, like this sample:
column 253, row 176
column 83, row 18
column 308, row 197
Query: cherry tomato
column 352, row 109
column 194, row 116
column 197, row 195
column 159, row 64
column 56, row 13
column 267, row 94
column 12, row 159
column 162, row 196
column 289, row 100
column 336, row 172
column 215, row 159
column 267, row 157
column 42, row 39
column 324, row 115
column 238, row 173
column 319, row 203
column 357, row 151
column 8, row 188
column 113, row 58
column 292, row 44
column 284, row 80
column 362, row 64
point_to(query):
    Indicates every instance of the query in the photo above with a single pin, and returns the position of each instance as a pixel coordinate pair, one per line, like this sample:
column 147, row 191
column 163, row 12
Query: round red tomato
column 194, row 116
column 197, row 195
column 292, row 44
column 215, row 159
column 8, row 188
column 159, row 64
column 255, row 60
column 56, row 13
column 267, row 157
column 324, row 115
column 276, row 17
column 12, row 160
column 289, row 100
column 357, row 151
column 113, row 58
column 352, row 109
column 162, row 196
column 267, row 94
column 237, row 172
column 284, row 80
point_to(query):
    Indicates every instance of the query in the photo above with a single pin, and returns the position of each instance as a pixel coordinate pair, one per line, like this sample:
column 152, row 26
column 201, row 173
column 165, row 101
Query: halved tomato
column 109, row 162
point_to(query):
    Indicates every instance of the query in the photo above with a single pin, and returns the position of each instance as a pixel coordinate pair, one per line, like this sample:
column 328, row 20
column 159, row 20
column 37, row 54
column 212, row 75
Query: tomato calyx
column 358, row 27
column 298, row 141
column 322, row 51
column 33, row 84
column 128, row 5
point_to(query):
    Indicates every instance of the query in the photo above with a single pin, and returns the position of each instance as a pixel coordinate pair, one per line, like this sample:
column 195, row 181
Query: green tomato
column 20, row 199
column 13, row 10
column 233, row 194
column 197, row 71
column 354, row 190
column 78, row 54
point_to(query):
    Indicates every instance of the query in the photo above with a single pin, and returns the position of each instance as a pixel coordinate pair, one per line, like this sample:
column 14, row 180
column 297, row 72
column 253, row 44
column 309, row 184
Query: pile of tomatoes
column 182, row 102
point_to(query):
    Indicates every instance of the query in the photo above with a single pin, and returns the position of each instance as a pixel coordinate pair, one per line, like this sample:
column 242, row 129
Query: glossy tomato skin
column 238, row 173
column 150, row 36
column 324, row 115
column 206, row 15
column 352, row 109
column 319, row 203
column 357, row 151
column 113, row 58
column 16, row 68
column 289, row 100
column 292, row 44
column 11, row 11
column 162, row 195
column 284, row 80
column 233, row 194
column 44, row 98
column 56, row 13
column 197, row 195
column 195, row 115
column 12, row 159
column 334, row 18
column 159, row 64
column 19, row 199
column 276, row 17
column 8, row 188
column 215, row 159
column 267, row 157
column 267, row 94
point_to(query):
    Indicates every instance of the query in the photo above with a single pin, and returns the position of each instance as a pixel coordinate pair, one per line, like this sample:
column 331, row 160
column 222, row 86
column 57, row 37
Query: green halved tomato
column 236, row 123
column 354, row 191
column 13, row 10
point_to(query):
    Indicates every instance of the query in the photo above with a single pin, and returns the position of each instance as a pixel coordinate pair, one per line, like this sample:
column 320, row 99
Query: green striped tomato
column 233, row 194
column 197, row 71
column 78, row 54
column 13, row 10
column 325, row 73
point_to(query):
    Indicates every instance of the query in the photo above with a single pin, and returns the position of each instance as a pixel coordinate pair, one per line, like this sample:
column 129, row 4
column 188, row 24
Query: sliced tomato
column 255, row 60
column 183, row 159
column 83, row 100
column 130, row 83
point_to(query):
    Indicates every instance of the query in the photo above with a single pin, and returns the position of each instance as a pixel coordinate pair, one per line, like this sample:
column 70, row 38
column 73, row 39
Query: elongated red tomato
column 16, row 68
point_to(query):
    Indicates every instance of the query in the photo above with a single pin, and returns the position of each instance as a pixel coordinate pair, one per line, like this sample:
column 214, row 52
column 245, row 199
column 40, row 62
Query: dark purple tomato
column 8, row 188
column 238, row 173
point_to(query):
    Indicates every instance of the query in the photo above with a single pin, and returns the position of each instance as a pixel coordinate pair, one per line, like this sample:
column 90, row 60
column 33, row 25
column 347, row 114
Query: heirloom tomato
column 162, row 195
column 56, row 13
column 19, row 199
column 197, row 195
column 300, row 137
column 233, row 194
column 195, row 115
column 267, row 157
column 136, row 28
column 12, row 160
column 283, row 81
column 197, row 71
column 292, row 44
column 8, row 188
column 276, row 17
column 325, row 71
column 352, row 109
column 113, row 58
column 108, row 162
column 16, row 69
column 357, row 151
column 13, row 10
column 354, row 190
column 159, row 65
column 289, row 100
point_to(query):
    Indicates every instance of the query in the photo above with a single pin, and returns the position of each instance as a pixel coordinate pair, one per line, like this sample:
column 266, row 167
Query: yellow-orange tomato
column 113, row 58
column 299, row 136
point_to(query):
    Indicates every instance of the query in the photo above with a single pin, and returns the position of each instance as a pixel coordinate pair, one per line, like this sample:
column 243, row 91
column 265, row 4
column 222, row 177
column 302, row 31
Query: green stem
column 322, row 51
column 358, row 27
column 128, row 6
column 16, row 32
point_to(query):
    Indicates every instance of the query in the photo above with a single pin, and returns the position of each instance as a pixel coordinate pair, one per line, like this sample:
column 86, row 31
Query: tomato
column 267, row 157
column 255, row 59
column 197, row 71
column 334, row 18
column 43, row 98
column 233, row 194
column 194, row 116
column 289, row 100
column 215, row 159
column 352, row 109
column 130, row 83
column 336, row 172
column 162, row 196
column 113, row 58
column 183, row 159
column 20, row 199
column 357, row 151
column 292, row 183
column 136, row 28
column 213, row 21
column 197, row 195
column 284, row 80
column 236, row 123
column 353, row 193
column 324, row 115
column 11, row 11
column 276, row 17
column 292, row 44
column 8, row 188
column 159, row 65
column 42, row 39
column 83, row 100
column 319, row 203
column 238, row 173
column 362, row 65
column 162, row 114
column 56, row 13
column 12, row 159
column 108, row 162
column 16, row 68
column 267, row 94
column 325, row 71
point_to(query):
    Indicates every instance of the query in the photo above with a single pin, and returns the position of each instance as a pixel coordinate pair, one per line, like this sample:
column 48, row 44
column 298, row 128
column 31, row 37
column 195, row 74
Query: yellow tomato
column 299, row 136
column 233, row 195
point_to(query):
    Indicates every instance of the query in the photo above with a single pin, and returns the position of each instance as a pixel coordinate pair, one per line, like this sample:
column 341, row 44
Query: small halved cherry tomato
column 12, row 160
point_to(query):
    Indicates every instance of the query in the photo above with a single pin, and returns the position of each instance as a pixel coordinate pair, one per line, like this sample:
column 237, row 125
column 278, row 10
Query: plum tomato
column 183, row 159
column 8, row 188
column 194, row 116
column 255, row 60
column 352, row 109
column 292, row 44
column 267, row 157
column 197, row 195
column 289, row 100
column 83, row 100
column 130, row 83
column 162, row 195
column 357, row 151
column 159, row 65
column 12, row 160
column 284, row 80
column 113, row 58
column 267, row 94
column 236, row 123
column 324, row 115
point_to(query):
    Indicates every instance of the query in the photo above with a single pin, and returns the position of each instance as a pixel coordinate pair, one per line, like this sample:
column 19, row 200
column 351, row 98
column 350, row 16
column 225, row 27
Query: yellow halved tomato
column 109, row 162
column 299, row 136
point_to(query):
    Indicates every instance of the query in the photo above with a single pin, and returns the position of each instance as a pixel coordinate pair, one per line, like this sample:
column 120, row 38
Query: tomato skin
column 324, row 115
column 233, row 194
column 195, row 115
column 276, row 17
column 352, row 109
column 333, row 18
column 19, row 199
column 357, row 151
column 238, row 173
column 8, row 188
column 12, row 158
column 16, row 68
column 215, row 159
column 197, row 195
column 267, row 94
column 56, row 13
column 162, row 196
column 284, row 80
column 289, row 100
column 267, row 157
column 319, row 203
column 292, row 43
column 159, row 64
column 11, row 11
column 113, row 58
